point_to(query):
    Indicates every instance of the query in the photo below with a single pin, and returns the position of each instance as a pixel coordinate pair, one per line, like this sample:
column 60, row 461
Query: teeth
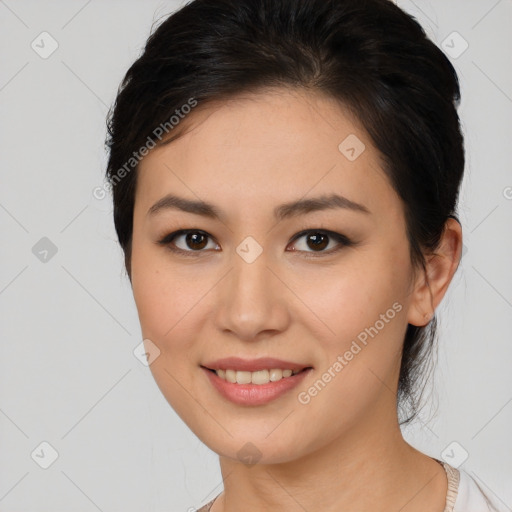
column 259, row 377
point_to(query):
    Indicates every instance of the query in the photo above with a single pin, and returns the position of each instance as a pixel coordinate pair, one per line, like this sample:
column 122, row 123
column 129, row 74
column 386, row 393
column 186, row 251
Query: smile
column 239, row 387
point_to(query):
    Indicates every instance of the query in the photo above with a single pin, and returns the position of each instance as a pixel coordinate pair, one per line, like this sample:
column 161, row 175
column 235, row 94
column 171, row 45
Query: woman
column 285, row 179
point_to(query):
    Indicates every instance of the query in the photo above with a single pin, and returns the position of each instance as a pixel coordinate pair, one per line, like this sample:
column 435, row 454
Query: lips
column 254, row 394
column 253, row 365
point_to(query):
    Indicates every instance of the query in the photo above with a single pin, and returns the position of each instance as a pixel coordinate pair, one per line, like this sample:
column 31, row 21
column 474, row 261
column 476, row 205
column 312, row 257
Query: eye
column 319, row 240
column 192, row 241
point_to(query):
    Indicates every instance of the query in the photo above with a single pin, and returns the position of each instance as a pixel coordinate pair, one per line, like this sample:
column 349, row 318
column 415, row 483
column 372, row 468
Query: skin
column 247, row 156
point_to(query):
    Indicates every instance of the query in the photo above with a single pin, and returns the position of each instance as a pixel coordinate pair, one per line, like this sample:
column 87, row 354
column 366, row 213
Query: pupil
column 192, row 240
column 319, row 240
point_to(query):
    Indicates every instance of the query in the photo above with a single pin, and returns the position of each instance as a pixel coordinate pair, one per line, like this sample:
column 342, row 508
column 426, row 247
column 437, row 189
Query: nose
column 251, row 302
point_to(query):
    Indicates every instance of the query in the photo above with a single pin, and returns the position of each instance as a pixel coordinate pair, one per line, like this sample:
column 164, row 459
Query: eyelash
column 338, row 237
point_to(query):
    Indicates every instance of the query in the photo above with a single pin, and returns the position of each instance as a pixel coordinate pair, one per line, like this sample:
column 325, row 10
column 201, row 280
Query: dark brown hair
column 368, row 54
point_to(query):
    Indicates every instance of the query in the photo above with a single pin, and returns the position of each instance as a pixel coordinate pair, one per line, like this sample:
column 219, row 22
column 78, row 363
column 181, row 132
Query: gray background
column 69, row 325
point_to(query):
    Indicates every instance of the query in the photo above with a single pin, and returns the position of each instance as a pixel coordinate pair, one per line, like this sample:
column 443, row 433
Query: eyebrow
column 284, row 211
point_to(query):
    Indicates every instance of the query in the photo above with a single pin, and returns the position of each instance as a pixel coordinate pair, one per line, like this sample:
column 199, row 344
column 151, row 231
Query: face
column 300, row 254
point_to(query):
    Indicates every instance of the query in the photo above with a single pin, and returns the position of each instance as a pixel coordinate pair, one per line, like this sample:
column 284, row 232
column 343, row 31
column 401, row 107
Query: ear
column 430, row 287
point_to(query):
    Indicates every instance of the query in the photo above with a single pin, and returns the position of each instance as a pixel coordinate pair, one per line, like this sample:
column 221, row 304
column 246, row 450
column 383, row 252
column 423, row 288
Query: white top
column 465, row 495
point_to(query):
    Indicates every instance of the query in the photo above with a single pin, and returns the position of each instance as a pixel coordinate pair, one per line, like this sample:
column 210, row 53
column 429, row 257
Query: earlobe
column 440, row 266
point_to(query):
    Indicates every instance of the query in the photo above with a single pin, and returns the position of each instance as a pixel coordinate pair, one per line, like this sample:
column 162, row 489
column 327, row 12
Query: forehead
column 271, row 147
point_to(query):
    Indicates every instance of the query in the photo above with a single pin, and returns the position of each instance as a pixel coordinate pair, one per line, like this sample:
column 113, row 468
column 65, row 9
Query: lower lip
column 255, row 394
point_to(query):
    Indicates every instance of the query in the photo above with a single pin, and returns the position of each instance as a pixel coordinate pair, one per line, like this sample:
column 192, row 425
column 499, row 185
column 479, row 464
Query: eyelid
column 342, row 240
column 168, row 239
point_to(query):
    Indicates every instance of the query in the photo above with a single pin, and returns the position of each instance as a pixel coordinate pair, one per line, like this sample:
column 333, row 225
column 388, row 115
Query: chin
column 253, row 449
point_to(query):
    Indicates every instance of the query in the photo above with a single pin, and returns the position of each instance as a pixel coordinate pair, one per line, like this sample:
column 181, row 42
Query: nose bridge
column 251, row 300
column 251, row 274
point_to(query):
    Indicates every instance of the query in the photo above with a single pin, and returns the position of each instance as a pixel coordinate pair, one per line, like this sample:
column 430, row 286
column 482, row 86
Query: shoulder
column 472, row 498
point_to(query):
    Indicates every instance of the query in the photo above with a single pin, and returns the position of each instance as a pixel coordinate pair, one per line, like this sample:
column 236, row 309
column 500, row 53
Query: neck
column 370, row 467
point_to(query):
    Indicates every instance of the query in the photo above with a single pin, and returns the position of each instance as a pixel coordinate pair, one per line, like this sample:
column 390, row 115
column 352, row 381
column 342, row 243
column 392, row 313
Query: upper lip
column 253, row 365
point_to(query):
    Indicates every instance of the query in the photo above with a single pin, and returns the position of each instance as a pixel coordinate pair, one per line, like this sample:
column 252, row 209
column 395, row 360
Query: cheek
column 353, row 295
column 362, row 308
column 163, row 297
column 168, row 303
column 362, row 304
